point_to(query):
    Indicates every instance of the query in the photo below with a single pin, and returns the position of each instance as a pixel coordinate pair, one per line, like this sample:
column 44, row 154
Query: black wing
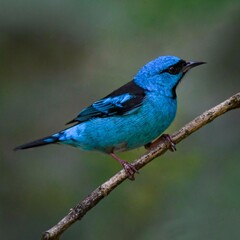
column 125, row 100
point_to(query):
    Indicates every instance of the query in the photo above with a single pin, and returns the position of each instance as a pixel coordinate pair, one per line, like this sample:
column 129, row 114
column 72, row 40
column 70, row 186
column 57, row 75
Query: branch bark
column 103, row 190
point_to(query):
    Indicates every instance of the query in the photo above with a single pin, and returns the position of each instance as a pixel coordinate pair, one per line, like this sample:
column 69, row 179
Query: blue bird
column 130, row 117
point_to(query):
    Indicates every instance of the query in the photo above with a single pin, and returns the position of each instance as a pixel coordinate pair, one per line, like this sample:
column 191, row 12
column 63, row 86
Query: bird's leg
column 168, row 138
column 165, row 137
column 128, row 167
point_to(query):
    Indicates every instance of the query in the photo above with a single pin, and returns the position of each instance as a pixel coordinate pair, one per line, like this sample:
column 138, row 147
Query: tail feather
column 38, row 143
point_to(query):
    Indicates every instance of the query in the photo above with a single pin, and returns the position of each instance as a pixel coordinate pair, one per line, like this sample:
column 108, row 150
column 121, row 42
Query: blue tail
column 39, row 142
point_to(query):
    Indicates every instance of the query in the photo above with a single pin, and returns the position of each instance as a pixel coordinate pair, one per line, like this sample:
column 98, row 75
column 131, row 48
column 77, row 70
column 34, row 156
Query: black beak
column 191, row 65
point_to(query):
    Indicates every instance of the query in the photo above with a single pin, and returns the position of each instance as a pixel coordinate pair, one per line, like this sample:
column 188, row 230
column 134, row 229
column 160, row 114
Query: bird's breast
column 156, row 116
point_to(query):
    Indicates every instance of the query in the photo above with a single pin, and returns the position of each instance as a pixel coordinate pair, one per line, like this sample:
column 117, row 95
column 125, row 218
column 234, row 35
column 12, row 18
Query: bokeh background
column 57, row 57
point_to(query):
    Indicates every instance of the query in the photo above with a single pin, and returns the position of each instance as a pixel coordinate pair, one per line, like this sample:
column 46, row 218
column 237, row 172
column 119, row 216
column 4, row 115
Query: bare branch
column 102, row 191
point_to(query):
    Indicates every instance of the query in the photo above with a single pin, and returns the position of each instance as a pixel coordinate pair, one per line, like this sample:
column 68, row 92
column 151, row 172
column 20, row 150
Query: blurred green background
column 57, row 57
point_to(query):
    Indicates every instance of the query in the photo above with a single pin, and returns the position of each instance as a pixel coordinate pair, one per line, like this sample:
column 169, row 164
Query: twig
column 102, row 191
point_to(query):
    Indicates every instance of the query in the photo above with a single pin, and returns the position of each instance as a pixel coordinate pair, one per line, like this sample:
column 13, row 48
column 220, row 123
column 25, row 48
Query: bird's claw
column 165, row 137
column 128, row 167
column 168, row 138
column 130, row 170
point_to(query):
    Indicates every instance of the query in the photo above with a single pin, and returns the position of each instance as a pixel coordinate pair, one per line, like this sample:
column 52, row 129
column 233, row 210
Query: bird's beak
column 191, row 65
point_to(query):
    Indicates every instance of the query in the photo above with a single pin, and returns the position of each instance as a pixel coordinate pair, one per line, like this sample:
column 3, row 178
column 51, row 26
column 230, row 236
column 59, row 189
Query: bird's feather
column 125, row 100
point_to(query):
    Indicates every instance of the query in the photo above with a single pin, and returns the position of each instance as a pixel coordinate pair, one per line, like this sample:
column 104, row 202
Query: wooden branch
column 102, row 191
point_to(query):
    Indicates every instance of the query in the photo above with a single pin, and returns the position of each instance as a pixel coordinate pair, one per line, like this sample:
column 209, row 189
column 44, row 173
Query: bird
column 130, row 117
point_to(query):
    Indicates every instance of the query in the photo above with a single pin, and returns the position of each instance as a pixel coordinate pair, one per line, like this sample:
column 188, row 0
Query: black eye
column 174, row 70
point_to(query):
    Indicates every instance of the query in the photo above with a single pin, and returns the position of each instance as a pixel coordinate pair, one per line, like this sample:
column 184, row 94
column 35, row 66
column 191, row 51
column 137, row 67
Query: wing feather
column 123, row 101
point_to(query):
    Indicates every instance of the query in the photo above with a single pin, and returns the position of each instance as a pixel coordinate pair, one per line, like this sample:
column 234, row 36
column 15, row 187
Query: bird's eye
column 173, row 70
column 176, row 68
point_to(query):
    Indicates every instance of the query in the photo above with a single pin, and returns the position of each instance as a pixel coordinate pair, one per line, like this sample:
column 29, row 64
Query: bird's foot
column 165, row 137
column 168, row 138
column 128, row 167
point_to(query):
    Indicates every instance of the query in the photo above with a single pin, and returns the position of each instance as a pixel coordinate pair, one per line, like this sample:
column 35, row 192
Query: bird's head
column 163, row 74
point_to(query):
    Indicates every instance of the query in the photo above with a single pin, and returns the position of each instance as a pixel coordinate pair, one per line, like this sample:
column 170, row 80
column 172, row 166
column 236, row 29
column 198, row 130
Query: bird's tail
column 40, row 142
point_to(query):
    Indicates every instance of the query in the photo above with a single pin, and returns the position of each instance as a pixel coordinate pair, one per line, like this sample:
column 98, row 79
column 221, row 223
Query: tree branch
column 103, row 190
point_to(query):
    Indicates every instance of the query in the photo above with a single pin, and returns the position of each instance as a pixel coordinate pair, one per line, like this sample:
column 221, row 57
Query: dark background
column 57, row 57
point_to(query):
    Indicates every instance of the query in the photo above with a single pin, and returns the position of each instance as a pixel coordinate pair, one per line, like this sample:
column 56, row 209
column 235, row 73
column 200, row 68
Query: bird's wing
column 125, row 100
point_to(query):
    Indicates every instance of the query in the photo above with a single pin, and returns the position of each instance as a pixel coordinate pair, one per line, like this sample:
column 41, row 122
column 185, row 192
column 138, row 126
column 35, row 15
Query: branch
column 103, row 190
